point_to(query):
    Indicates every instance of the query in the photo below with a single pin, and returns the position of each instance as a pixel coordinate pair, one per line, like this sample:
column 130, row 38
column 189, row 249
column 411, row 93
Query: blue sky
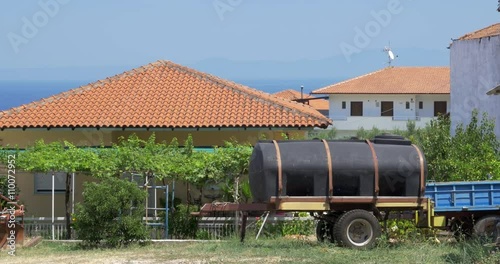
column 127, row 33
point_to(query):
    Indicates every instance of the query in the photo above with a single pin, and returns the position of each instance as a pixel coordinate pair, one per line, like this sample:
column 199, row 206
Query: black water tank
column 304, row 168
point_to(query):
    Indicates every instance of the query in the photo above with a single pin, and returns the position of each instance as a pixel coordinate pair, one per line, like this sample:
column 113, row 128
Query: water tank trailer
column 349, row 186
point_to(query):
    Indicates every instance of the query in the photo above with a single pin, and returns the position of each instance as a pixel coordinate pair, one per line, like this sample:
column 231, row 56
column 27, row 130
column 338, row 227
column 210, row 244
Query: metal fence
column 225, row 227
column 209, row 228
column 43, row 228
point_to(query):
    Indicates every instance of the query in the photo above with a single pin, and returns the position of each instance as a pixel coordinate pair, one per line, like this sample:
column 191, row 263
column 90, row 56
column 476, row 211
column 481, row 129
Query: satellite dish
column 391, row 55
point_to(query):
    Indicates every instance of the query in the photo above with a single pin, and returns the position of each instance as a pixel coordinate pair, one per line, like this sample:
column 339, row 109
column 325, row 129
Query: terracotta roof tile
column 163, row 94
column 318, row 104
column 395, row 80
column 493, row 30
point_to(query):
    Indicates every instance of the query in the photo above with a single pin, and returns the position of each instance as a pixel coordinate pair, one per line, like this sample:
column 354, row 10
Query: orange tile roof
column 493, row 30
column 318, row 104
column 395, row 80
column 163, row 95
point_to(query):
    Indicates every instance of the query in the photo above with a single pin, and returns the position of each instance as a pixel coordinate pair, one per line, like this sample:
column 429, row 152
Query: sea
column 18, row 92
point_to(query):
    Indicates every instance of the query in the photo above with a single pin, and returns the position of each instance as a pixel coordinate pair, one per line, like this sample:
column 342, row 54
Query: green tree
column 111, row 213
column 435, row 141
column 475, row 152
column 233, row 159
column 472, row 153
column 469, row 155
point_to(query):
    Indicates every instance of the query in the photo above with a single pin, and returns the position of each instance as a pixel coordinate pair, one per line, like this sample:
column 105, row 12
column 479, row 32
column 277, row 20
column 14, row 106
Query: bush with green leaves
column 296, row 226
column 111, row 214
column 328, row 134
column 181, row 224
column 471, row 154
column 406, row 230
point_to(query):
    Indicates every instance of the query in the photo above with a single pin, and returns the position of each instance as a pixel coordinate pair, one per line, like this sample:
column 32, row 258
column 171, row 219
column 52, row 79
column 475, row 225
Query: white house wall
column 343, row 122
column 428, row 101
column 369, row 104
column 475, row 69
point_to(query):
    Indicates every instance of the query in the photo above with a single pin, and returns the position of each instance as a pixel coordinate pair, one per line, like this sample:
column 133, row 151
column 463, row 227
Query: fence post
column 166, row 211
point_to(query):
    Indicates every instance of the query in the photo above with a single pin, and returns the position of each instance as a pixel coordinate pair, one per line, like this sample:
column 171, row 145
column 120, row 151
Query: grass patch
column 265, row 251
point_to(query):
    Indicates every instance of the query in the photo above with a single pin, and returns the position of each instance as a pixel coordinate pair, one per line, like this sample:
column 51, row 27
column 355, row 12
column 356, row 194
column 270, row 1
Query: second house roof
column 395, row 80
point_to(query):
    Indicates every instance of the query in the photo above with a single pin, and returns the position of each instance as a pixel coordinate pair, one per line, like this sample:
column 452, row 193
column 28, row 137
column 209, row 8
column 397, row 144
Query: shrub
column 405, row 229
column 111, row 213
column 182, row 224
column 368, row 134
column 323, row 134
column 292, row 227
column 471, row 154
column 298, row 227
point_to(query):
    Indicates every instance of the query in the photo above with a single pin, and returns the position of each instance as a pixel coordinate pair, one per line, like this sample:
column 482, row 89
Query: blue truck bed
column 464, row 196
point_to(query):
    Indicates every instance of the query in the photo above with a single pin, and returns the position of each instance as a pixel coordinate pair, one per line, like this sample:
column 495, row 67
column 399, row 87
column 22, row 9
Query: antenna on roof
column 390, row 54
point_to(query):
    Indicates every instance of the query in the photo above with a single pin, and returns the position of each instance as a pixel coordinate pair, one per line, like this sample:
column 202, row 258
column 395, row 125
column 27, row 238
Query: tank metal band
column 280, row 172
column 375, row 166
column 330, row 169
column 422, row 173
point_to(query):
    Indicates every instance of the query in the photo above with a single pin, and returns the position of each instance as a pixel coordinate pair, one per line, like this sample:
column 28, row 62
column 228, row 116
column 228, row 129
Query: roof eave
column 167, row 129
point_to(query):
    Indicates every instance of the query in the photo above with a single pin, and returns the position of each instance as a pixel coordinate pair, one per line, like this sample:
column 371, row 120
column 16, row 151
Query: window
column 439, row 108
column 356, row 108
column 387, row 109
column 420, row 105
column 343, row 105
column 407, row 105
column 43, row 182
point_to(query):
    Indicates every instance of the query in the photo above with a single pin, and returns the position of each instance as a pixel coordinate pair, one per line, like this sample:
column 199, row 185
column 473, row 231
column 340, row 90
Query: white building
column 387, row 99
column 475, row 71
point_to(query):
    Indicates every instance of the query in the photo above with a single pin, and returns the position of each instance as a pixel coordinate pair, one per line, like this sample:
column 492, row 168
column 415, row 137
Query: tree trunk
column 68, row 205
column 200, row 188
column 236, row 200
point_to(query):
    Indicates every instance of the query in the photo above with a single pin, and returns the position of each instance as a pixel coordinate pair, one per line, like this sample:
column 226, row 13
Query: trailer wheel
column 324, row 231
column 357, row 229
column 487, row 228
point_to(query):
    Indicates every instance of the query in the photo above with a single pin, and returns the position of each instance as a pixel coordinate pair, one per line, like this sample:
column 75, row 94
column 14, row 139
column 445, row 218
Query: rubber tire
column 341, row 231
column 321, row 228
column 485, row 229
